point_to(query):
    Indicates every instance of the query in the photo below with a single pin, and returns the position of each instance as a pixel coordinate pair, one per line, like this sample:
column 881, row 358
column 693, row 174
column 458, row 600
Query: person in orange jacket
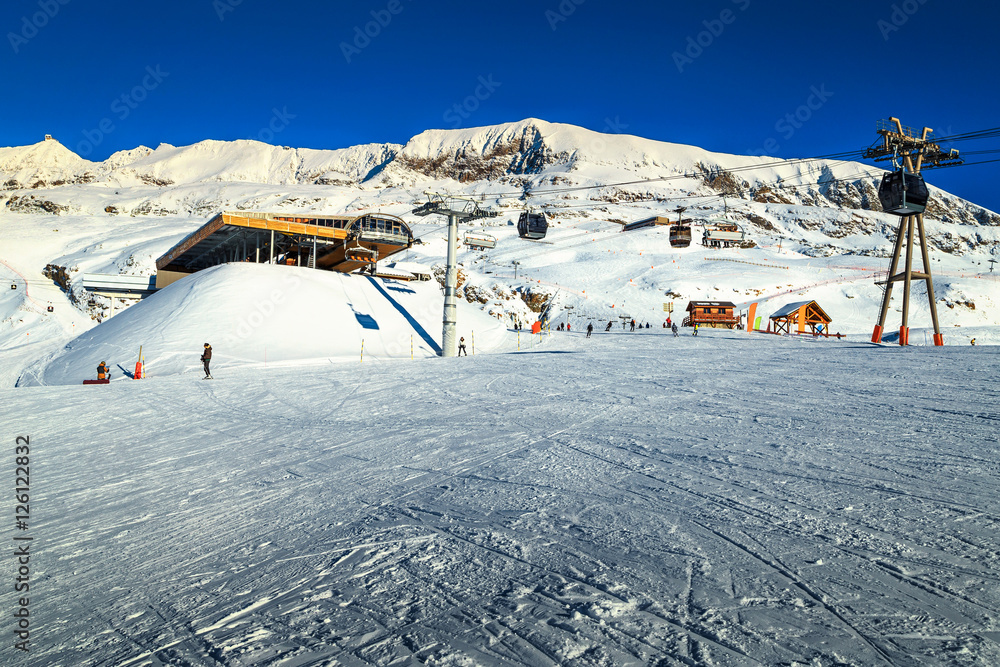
column 102, row 371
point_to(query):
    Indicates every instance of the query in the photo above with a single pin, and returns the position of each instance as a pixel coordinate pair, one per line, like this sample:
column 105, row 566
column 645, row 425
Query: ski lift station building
column 343, row 243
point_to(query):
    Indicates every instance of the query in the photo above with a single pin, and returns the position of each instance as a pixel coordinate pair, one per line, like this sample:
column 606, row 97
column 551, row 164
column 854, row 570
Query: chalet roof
column 712, row 304
column 790, row 308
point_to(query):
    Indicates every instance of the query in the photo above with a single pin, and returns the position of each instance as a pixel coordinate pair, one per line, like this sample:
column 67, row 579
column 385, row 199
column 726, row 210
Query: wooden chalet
column 801, row 317
column 718, row 314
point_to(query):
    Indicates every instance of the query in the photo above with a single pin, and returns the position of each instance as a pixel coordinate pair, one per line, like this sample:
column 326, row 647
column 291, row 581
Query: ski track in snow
column 729, row 499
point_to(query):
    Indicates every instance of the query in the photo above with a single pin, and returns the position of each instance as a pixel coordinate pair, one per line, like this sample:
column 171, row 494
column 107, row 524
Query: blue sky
column 741, row 76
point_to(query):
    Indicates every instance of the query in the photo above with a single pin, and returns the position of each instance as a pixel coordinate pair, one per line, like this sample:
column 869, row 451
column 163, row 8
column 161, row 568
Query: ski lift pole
column 448, row 346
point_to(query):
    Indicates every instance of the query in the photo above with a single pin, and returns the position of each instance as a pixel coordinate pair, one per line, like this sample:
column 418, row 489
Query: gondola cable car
column 532, row 225
column 903, row 194
column 680, row 234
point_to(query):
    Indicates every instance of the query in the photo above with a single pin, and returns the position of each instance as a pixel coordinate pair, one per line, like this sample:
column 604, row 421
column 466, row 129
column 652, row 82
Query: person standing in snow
column 695, row 332
column 590, row 329
column 633, row 325
column 461, row 347
column 673, row 328
column 206, row 358
column 973, row 341
column 608, row 328
column 567, row 327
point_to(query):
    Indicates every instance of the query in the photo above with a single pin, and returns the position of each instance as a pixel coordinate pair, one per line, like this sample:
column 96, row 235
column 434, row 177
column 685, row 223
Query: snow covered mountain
column 813, row 227
column 529, row 153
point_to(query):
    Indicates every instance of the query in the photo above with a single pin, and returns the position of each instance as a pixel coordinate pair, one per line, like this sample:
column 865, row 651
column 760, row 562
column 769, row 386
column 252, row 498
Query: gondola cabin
column 680, row 236
column 532, row 225
column 903, row 194
column 717, row 314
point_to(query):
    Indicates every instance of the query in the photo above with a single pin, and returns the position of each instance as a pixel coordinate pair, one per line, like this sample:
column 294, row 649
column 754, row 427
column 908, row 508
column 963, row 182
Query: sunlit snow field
column 633, row 498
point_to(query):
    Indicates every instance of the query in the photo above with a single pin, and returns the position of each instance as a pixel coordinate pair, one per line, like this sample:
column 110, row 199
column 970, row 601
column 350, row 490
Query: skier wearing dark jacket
column 206, row 357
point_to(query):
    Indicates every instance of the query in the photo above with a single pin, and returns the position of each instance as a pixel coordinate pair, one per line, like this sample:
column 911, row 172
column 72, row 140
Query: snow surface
column 730, row 499
column 632, row 498
column 274, row 315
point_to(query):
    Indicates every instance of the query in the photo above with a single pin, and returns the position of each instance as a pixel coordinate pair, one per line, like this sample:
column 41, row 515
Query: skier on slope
column 590, row 328
column 206, row 358
column 673, row 328
column 695, row 332
column 608, row 328
column 461, row 347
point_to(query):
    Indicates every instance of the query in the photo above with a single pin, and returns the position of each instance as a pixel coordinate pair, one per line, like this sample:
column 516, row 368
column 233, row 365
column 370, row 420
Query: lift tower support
column 911, row 152
column 458, row 209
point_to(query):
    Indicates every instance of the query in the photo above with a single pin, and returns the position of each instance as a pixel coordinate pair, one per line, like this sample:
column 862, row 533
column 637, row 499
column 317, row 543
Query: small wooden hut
column 800, row 317
column 719, row 314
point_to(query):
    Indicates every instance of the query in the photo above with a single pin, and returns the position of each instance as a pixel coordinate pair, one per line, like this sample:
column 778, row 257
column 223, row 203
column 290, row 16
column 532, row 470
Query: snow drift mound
column 254, row 314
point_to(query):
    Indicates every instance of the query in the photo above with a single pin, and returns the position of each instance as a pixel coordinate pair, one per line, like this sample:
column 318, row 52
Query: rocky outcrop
column 33, row 204
column 527, row 154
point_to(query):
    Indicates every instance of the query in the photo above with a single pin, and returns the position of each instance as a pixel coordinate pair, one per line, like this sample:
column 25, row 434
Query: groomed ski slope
column 633, row 498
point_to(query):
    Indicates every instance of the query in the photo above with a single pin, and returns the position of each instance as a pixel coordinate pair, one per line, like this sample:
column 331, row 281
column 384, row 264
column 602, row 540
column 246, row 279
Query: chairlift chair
column 480, row 241
column 722, row 233
column 903, row 194
column 360, row 253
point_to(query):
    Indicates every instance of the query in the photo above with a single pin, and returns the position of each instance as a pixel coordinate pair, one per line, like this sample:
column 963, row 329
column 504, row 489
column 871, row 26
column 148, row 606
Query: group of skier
column 206, row 355
column 206, row 360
